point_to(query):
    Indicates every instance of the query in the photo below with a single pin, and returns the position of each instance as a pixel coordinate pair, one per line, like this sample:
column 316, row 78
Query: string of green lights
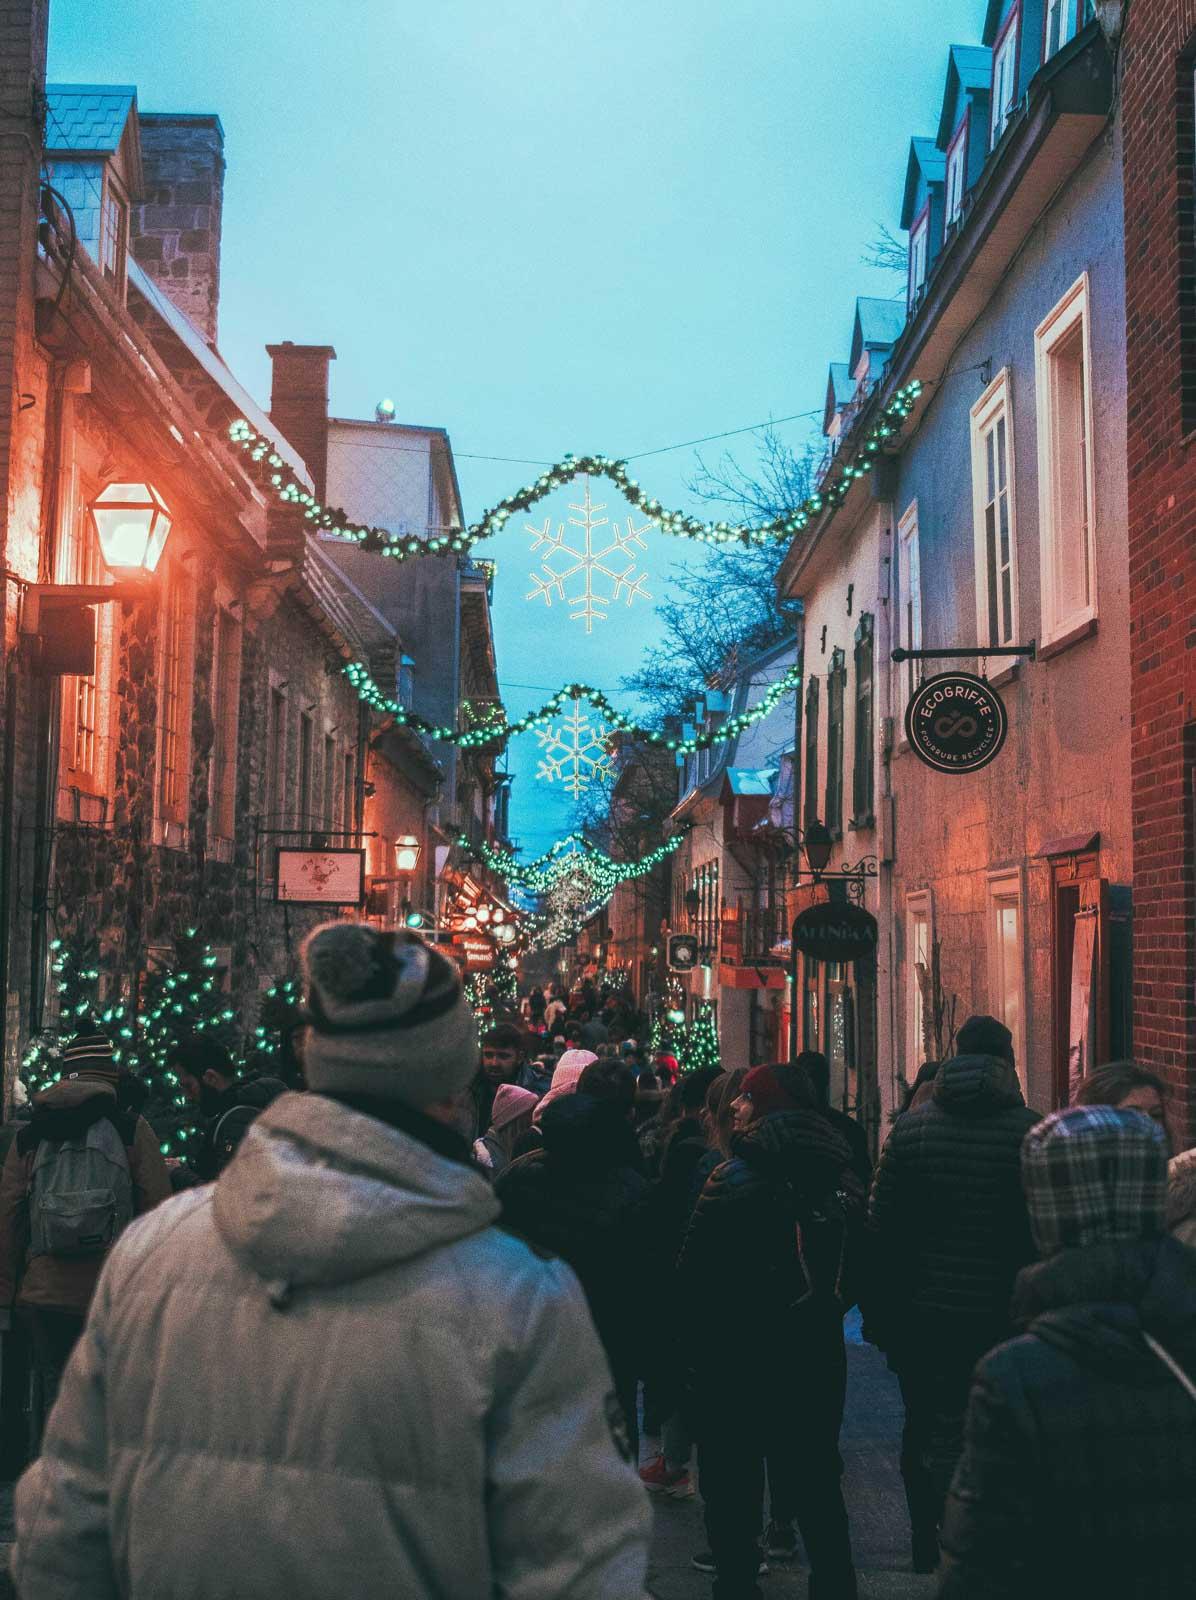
column 602, row 871
column 498, row 730
column 333, row 520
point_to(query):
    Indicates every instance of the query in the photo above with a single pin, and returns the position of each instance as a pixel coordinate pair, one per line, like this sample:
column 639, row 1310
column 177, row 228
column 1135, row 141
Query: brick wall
column 1159, row 154
column 176, row 228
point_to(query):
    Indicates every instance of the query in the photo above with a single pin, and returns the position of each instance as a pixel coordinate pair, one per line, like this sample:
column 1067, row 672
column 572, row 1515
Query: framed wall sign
column 319, row 877
column 956, row 722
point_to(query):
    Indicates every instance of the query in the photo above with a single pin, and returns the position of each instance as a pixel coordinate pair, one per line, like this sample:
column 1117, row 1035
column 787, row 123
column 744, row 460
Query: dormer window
column 1005, row 59
column 114, row 232
column 919, row 251
column 957, row 167
column 1064, row 19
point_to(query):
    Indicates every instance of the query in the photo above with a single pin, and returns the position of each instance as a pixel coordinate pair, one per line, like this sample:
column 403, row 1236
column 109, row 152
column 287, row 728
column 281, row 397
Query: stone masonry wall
column 176, row 229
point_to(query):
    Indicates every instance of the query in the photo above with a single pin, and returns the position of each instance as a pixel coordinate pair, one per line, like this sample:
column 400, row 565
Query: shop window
column 87, row 708
column 277, row 811
column 919, row 938
column 304, row 775
column 1006, row 969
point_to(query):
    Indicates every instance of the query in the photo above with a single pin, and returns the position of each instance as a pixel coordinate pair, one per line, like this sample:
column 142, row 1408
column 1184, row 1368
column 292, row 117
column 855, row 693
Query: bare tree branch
column 886, row 252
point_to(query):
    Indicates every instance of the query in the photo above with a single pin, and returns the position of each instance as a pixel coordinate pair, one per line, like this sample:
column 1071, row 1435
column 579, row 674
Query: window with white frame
column 1062, row 371
column 1006, row 969
column 1064, row 19
column 919, row 939
column 176, row 677
column 993, row 515
column 919, row 254
column 957, row 168
column 226, row 704
column 1004, row 89
column 907, row 603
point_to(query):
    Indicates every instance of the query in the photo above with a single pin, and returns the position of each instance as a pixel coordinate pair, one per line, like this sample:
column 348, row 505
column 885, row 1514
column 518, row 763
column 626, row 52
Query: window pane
column 1069, row 470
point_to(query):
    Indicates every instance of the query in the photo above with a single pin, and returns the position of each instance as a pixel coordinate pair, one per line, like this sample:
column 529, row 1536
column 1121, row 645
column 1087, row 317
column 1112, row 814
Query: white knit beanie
column 387, row 1016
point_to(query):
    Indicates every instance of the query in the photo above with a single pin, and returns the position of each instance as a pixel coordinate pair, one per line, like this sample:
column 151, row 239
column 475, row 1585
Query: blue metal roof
column 87, row 118
column 969, row 71
column 840, row 384
column 751, row 780
column 928, row 162
column 878, row 323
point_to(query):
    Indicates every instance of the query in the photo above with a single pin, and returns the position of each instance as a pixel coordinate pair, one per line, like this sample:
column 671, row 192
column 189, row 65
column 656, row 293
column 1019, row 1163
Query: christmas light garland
column 563, row 858
column 260, row 449
column 498, row 730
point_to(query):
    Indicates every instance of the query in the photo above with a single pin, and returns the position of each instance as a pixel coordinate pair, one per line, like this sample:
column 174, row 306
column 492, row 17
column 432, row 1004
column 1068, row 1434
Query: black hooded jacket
column 949, row 1217
column 583, row 1197
column 763, row 1257
column 1079, row 1468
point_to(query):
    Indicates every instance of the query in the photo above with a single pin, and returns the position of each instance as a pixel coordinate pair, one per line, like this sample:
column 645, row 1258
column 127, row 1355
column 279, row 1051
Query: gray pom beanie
column 387, row 1015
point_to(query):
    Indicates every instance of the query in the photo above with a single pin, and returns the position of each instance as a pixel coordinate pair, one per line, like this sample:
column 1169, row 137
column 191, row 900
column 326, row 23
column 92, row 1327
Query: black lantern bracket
column 816, row 843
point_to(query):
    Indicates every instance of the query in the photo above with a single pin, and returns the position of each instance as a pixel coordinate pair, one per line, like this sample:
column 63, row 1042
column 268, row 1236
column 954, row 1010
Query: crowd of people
column 452, row 1315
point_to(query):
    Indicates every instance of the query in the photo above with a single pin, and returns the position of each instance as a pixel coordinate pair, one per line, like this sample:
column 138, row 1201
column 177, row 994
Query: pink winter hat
column 510, row 1102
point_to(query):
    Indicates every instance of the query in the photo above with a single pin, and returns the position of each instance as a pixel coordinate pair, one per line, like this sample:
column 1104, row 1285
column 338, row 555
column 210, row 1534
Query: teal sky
column 591, row 225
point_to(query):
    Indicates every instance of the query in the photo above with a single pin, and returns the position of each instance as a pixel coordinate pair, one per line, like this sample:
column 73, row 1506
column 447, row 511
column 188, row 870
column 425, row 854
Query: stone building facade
column 147, row 792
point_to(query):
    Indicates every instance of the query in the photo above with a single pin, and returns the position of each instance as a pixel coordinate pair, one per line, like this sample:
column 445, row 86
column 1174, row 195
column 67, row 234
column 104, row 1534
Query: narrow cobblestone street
column 875, row 1501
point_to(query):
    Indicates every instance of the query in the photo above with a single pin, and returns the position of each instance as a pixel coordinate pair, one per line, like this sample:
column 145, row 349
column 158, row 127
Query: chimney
column 299, row 402
column 176, row 228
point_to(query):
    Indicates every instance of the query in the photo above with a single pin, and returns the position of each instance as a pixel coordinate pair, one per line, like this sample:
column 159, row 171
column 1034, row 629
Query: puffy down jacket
column 330, row 1374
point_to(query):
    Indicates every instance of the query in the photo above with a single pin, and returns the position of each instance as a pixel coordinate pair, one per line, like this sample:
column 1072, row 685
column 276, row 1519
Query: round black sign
column 830, row 932
column 956, row 722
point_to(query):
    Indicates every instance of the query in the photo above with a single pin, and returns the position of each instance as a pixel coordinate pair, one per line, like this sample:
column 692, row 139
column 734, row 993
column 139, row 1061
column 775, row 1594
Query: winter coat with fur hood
column 64, row 1111
column 330, row 1374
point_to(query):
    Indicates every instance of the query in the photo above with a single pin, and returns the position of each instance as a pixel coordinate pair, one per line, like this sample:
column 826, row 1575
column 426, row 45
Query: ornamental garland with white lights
column 540, row 874
column 332, row 520
column 497, row 732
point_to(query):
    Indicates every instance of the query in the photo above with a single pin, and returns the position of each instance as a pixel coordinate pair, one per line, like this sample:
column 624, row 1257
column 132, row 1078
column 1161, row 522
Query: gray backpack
column 81, row 1196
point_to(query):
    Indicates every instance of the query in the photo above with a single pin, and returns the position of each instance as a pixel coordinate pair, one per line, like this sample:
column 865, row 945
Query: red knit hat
column 766, row 1088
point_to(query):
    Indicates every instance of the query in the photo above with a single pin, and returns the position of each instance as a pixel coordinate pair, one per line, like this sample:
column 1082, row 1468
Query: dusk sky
column 585, row 226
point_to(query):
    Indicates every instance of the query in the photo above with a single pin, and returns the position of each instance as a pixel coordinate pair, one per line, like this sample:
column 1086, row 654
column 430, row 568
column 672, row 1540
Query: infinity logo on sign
column 956, row 722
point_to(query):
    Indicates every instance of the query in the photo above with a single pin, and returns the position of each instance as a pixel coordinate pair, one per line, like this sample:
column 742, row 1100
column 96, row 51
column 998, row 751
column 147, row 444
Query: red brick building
column 1158, row 72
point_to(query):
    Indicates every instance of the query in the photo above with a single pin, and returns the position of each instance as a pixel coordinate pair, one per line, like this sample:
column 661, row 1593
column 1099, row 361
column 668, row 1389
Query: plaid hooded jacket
column 1079, row 1467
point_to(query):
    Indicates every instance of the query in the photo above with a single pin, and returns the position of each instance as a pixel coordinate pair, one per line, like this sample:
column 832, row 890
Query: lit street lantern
column 132, row 523
column 407, row 852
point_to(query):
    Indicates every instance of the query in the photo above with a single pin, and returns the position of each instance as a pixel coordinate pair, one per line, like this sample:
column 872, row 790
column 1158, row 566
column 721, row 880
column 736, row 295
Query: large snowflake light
column 576, row 753
column 562, row 560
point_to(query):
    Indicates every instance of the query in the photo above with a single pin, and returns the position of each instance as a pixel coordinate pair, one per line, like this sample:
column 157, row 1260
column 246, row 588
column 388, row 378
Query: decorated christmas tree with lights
column 697, row 1046
column 75, row 972
column 182, row 1000
column 270, row 1050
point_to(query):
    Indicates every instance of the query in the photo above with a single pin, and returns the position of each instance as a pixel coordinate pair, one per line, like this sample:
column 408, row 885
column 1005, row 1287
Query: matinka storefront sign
column 956, row 722
column 834, row 931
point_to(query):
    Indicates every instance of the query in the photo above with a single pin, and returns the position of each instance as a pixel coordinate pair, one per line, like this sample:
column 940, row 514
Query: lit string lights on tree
column 497, row 730
column 76, row 977
column 332, row 520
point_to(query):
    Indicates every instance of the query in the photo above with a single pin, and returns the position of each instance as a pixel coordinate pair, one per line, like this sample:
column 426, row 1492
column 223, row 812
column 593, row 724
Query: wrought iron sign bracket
column 967, row 653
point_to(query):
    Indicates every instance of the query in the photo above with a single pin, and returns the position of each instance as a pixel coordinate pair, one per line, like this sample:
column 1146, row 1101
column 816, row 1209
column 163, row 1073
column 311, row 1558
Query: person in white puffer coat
column 330, row 1372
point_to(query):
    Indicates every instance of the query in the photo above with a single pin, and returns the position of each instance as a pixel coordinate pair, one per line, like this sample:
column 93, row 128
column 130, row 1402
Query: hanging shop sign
column 835, row 932
column 473, row 952
column 683, row 952
column 320, row 877
column 956, row 722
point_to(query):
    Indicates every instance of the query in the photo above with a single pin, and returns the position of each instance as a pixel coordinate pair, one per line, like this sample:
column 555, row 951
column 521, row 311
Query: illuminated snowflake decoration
column 597, row 562
column 576, row 753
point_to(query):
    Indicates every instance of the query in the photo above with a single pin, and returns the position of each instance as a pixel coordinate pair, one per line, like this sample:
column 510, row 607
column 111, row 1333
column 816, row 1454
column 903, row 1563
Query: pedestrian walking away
column 1078, row 1473
column 460, row 1435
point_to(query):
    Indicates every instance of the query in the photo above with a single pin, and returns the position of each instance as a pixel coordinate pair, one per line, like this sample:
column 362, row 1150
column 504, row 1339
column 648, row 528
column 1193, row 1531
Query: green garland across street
column 333, row 520
column 497, row 730
column 603, row 871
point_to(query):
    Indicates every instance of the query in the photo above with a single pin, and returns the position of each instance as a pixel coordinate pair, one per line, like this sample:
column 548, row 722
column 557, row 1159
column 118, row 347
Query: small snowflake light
column 594, row 560
column 576, row 753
